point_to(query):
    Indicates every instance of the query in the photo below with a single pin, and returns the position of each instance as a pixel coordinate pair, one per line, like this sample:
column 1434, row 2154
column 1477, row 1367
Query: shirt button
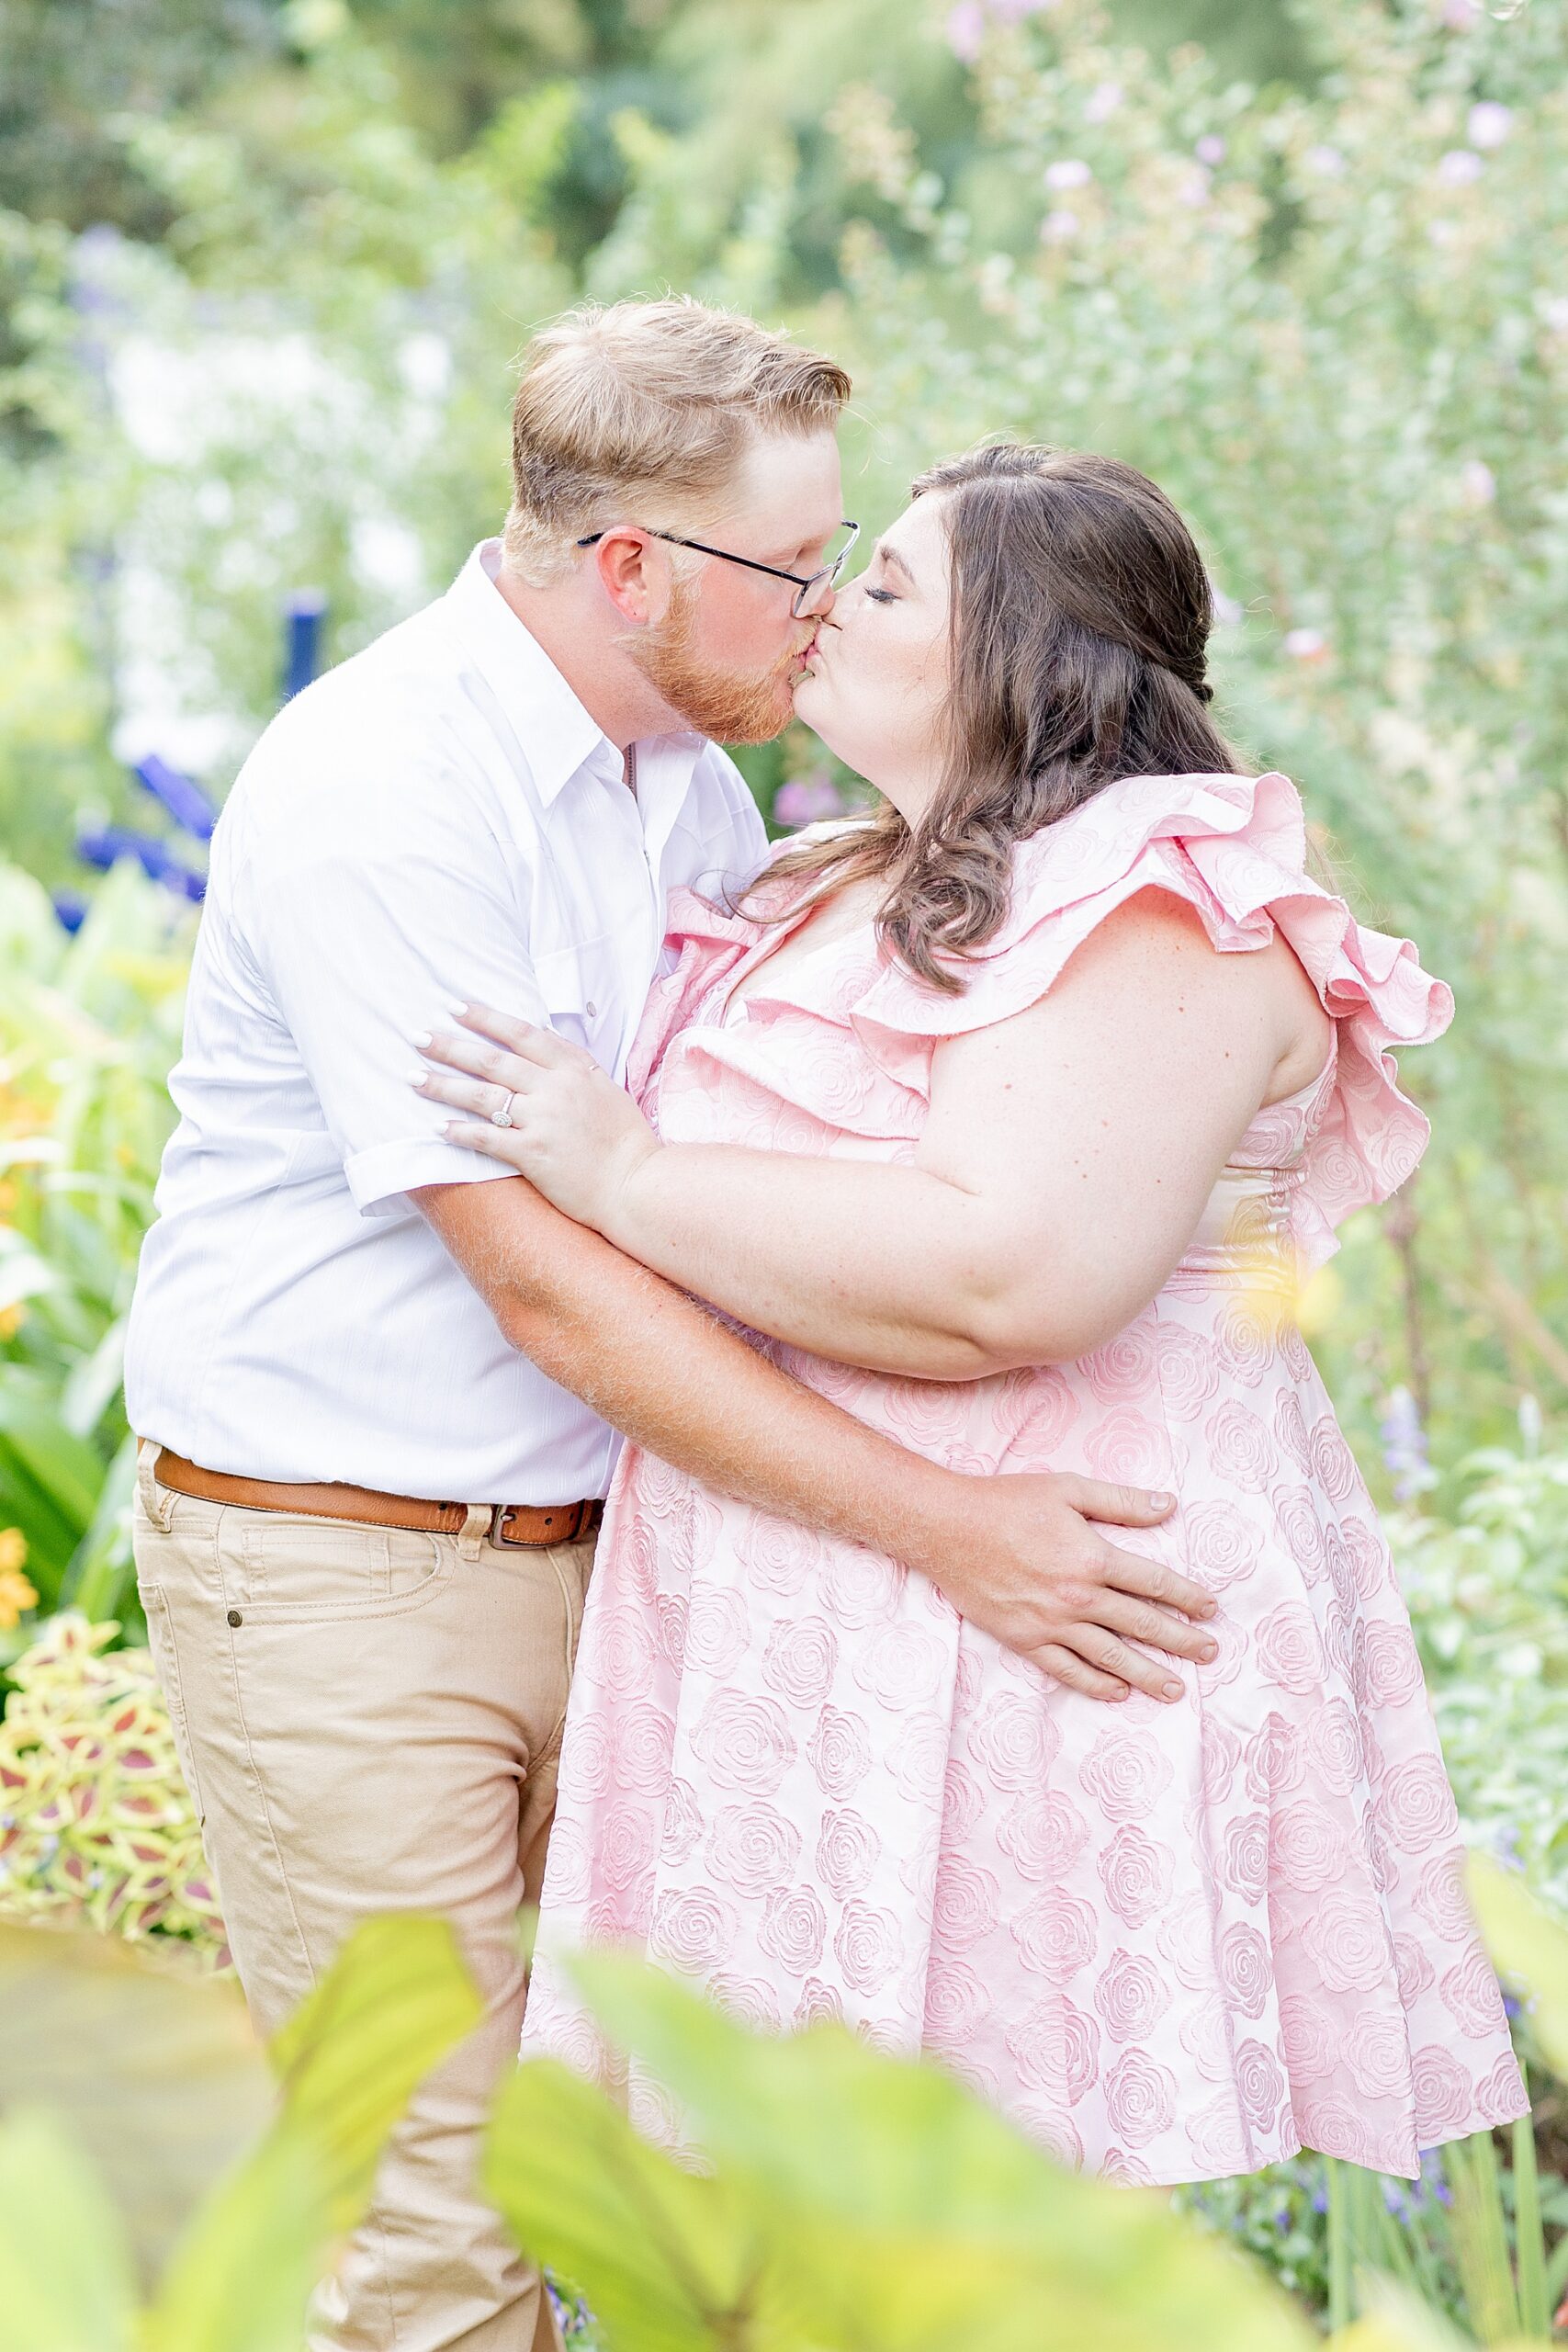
column 235, row 1618
column 592, row 1010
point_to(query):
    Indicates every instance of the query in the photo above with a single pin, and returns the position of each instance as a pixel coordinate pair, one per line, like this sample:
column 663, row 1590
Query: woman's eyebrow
column 891, row 555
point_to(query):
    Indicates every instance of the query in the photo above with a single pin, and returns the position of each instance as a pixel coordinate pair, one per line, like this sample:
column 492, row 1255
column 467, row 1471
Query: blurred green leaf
column 242, row 2279
column 395, row 2002
column 154, row 2070
column 670, row 2261
column 102, row 1564
column 66, row 2278
column 1527, row 1945
column 902, row 2211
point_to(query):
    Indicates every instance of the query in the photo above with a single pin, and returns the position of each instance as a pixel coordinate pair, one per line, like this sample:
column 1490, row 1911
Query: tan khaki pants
column 369, row 1721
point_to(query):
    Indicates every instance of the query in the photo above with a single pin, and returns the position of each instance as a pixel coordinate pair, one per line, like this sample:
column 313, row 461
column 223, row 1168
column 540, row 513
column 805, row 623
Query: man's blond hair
column 648, row 405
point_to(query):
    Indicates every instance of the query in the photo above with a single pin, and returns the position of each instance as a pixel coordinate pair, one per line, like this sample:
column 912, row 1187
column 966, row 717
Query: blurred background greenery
column 264, row 269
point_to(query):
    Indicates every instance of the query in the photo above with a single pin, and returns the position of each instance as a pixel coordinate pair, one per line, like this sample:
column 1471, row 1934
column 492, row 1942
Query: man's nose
column 823, row 603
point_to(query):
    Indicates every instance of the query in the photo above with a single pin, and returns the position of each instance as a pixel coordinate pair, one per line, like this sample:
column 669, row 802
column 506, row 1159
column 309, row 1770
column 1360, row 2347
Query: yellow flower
column 15, row 1593
column 13, row 1549
column 11, row 1319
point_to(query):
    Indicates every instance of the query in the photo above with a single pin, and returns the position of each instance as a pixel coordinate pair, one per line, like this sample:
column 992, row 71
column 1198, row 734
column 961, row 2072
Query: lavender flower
column 1405, row 1446
column 181, row 796
column 806, row 800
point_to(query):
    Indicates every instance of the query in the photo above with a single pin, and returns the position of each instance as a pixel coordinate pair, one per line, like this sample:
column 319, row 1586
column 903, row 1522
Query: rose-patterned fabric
column 1171, row 1942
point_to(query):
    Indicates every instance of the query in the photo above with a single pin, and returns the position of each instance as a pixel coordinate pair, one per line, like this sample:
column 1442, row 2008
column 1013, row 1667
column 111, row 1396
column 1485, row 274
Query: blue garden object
column 104, row 849
column 181, row 796
column 70, row 911
column 304, row 612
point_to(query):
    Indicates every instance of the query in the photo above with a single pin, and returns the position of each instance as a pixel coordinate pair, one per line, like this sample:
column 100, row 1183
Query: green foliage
column 848, row 2198
column 1487, row 1588
column 150, row 2070
column 96, row 1826
column 88, row 1028
column 395, row 2002
column 1338, row 335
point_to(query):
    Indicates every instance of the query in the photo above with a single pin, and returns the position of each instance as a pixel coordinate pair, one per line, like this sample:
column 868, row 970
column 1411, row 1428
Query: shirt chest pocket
column 583, row 997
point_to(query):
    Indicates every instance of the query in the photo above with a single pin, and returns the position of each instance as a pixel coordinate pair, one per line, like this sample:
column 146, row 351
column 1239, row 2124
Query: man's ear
column 632, row 575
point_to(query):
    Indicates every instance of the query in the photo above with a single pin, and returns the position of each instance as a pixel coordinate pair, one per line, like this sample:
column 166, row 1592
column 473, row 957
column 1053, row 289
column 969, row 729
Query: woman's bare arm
column 1066, row 1162
column 1016, row 1555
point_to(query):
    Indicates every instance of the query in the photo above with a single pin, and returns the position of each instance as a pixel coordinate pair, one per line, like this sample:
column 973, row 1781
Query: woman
column 1011, row 1115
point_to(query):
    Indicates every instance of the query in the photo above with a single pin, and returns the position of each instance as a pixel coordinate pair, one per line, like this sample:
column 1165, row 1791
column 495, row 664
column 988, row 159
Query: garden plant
column 259, row 293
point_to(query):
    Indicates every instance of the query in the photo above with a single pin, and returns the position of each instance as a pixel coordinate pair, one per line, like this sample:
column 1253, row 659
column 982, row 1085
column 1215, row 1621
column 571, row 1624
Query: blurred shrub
column 96, row 1826
column 88, row 1028
column 1488, row 1595
column 228, row 2229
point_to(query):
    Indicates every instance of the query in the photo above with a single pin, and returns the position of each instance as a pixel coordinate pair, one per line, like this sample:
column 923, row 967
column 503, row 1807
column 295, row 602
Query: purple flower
column 106, row 848
column 1489, row 123
column 1405, row 1446
column 1460, row 167
column 806, row 800
column 967, row 30
column 184, row 799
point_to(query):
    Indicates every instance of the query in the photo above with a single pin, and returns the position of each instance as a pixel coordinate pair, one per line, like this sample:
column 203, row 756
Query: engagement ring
column 502, row 1118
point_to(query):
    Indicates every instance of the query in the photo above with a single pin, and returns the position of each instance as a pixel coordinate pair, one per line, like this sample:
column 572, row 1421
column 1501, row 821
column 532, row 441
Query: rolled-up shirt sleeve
column 362, row 945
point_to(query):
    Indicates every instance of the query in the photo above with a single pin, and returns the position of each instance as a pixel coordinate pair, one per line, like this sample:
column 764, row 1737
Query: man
column 377, row 1388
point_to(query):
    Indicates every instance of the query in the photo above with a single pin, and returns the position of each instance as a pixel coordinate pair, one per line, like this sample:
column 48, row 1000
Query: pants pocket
column 326, row 1569
column 166, row 1658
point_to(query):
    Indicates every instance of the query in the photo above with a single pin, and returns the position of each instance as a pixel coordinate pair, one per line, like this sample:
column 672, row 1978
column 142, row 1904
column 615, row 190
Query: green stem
column 1339, row 2272
column 1529, row 2238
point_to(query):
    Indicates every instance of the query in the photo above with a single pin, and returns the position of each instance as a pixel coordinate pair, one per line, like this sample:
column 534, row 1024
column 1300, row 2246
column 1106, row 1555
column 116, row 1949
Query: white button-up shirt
column 437, row 820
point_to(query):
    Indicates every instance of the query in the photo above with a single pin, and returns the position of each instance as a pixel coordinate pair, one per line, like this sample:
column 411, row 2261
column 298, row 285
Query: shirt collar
column 558, row 735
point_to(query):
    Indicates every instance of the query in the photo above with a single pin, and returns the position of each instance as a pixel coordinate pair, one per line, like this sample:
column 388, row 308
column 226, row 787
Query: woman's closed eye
column 882, row 595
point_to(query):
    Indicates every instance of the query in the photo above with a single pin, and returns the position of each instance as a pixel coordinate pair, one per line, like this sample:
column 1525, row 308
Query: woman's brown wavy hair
column 1081, row 612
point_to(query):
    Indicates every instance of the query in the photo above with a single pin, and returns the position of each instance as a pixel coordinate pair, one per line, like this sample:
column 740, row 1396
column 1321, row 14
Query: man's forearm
column 658, row 1366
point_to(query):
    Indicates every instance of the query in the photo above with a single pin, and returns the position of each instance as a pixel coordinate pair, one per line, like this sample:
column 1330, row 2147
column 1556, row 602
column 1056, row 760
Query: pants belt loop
column 476, row 1529
column 157, row 1501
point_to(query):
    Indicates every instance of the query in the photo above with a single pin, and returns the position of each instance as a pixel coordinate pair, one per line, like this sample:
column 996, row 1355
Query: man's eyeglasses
column 810, row 587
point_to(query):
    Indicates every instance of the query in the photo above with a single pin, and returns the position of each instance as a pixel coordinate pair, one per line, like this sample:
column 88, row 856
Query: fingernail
column 1210, row 1651
column 1173, row 1690
column 421, row 1037
column 1208, row 1609
column 418, row 1076
column 459, row 1012
column 1161, row 1502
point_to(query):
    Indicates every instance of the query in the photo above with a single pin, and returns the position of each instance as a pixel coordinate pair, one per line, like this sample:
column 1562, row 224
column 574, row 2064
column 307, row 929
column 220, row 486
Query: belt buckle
column 503, row 1512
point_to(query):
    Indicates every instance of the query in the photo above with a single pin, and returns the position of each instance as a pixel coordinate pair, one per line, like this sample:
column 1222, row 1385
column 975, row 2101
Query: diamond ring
column 502, row 1118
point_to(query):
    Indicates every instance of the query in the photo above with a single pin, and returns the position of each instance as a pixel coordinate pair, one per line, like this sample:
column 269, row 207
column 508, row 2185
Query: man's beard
column 728, row 706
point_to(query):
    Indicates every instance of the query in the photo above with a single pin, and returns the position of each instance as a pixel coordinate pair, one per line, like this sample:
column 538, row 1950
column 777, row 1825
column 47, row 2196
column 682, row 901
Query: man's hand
column 1025, row 1559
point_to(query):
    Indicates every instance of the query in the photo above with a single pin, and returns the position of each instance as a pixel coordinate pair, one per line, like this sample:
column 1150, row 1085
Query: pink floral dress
column 1171, row 1942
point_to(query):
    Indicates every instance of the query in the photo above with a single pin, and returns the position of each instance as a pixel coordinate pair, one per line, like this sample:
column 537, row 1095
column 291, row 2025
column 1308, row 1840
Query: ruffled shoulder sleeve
column 1234, row 848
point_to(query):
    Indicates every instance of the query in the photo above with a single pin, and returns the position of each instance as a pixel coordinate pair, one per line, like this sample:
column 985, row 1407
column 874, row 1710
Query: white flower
column 1327, row 161
column 1069, row 171
column 1103, row 101
column 1194, row 188
column 1478, row 483
column 1305, row 644
column 1210, row 149
column 1057, row 227
column 1489, row 123
column 1460, row 167
column 1555, row 310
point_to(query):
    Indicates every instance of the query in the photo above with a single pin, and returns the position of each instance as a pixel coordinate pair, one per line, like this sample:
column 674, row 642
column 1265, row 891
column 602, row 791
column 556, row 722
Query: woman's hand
column 578, row 1137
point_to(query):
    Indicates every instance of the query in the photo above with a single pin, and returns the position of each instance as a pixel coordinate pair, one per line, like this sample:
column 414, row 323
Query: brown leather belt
column 526, row 1527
